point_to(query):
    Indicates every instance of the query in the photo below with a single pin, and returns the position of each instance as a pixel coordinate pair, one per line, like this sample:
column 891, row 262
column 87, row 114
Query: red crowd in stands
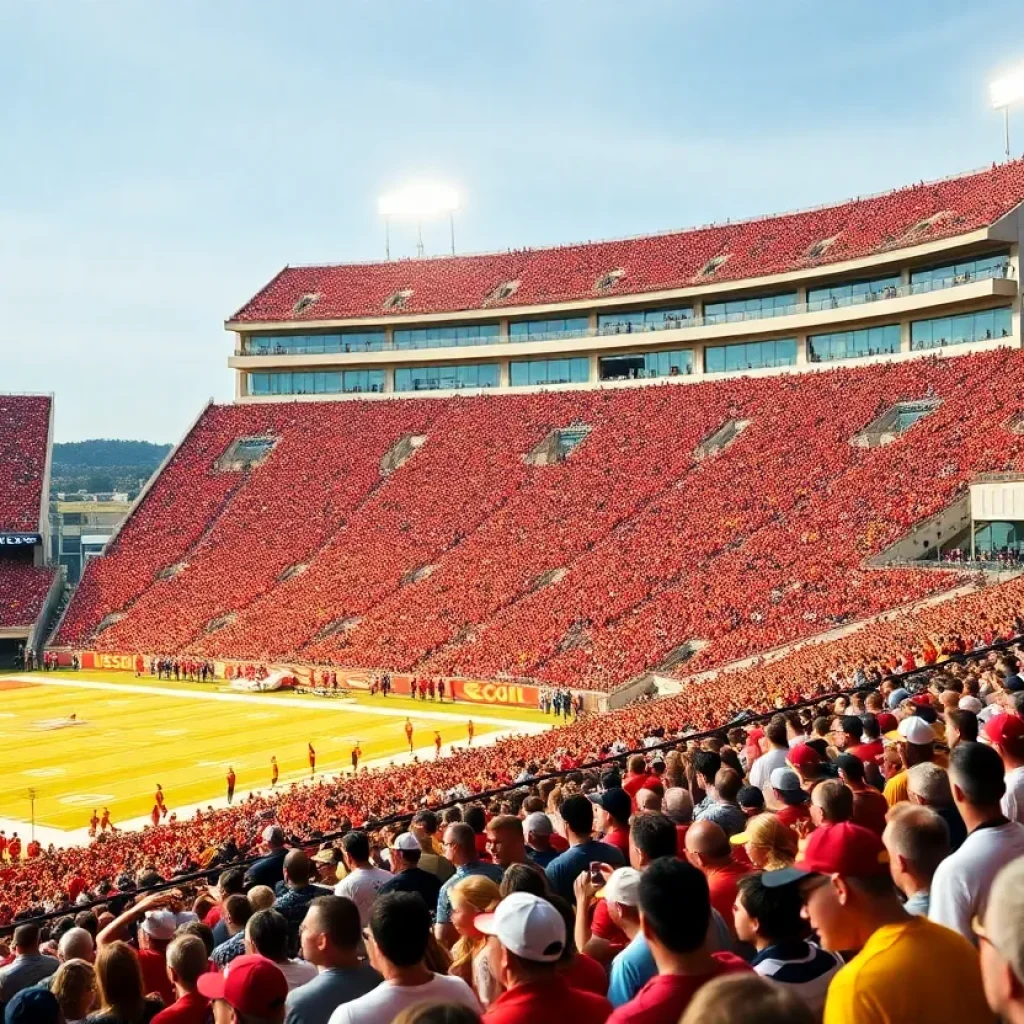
column 468, row 561
column 24, row 437
column 768, row 245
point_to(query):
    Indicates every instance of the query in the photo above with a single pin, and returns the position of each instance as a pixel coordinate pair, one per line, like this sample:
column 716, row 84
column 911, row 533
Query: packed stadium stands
column 729, row 252
column 589, row 571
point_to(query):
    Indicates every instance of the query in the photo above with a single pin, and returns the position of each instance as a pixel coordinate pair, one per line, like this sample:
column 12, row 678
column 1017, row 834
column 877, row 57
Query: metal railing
column 627, row 327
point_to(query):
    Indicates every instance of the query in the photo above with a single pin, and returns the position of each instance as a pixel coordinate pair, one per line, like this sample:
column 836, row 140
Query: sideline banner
column 475, row 691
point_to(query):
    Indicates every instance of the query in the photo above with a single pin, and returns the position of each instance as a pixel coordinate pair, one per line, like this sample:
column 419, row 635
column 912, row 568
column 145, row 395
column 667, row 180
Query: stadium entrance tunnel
column 720, row 439
column 11, row 652
column 401, row 452
column 893, row 422
column 557, row 446
column 245, row 453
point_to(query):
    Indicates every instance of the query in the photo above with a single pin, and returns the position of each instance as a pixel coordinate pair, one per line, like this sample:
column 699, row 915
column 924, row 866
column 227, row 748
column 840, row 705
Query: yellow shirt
column 916, row 972
column 897, row 789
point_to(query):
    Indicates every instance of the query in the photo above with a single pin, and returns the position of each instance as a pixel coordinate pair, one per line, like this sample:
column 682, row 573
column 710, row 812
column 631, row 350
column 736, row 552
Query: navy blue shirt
column 563, row 871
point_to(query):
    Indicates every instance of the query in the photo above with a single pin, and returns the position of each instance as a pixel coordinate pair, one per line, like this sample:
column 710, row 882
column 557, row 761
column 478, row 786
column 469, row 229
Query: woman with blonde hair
column 770, row 844
column 119, row 982
column 74, row 986
column 474, row 895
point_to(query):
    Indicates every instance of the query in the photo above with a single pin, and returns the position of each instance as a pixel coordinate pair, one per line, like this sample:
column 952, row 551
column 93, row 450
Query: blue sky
column 160, row 160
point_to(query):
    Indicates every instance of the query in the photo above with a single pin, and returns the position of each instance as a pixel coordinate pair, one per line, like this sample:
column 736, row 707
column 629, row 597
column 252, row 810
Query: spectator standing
column 769, row 843
column 266, row 935
column 506, row 843
column 915, row 743
column 928, row 786
column 364, row 880
column 774, row 752
column 74, row 986
column 186, row 962
column 424, row 827
column 538, row 829
column 34, row 1006
column 770, row 919
column 298, row 893
column 237, row 911
column 229, row 883
column 408, row 875
column 397, row 941
column 789, row 797
column 529, row 938
column 330, row 939
column 460, row 846
column 578, row 814
column 269, row 869
column 723, row 809
column 29, row 966
column 157, row 926
column 615, row 810
column 851, row 903
column 963, row 880
column 1001, row 944
column 120, row 987
column 747, row 999
column 253, row 988
column 1006, row 734
column 472, row 896
column 917, row 841
column 675, row 915
column 708, row 849
column 869, row 806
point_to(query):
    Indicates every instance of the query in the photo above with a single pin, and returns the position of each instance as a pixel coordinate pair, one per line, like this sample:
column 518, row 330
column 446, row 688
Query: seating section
column 586, row 572
column 905, row 641
column 23, row 590
column 24, row 439
column 754, row 248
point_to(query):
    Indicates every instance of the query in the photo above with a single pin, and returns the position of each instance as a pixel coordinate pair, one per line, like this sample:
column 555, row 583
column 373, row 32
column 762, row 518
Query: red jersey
column 545, row 1001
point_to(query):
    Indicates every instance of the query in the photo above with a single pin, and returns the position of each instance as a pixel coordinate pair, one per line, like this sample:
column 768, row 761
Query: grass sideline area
column 134, row 733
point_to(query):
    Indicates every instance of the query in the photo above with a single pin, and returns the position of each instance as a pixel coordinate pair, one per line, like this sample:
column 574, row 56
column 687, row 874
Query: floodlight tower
column 418, row 202
column 1005, row 92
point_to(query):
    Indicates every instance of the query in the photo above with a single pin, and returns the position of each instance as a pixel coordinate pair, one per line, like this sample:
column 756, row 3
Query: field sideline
column 138, row 732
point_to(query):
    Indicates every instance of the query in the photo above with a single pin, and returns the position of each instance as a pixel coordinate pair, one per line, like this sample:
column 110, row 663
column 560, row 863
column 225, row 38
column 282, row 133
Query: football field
column 130, row 734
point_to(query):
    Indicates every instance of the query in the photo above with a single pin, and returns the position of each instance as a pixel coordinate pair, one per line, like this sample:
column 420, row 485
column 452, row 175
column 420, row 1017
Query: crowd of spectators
column 24, row 443
column 858, row 858
column 468, row 561
column 752, row 248
column 23, row 591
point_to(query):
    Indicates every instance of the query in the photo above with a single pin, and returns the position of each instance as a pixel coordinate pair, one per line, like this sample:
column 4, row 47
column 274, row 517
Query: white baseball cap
column 160, row 925
column 527, row 926
column 970, row 703
column 406, row 841
column 623, row 887
column 913, row 730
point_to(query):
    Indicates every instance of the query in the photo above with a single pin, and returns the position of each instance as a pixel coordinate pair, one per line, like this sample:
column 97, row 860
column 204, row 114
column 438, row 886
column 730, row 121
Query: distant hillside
column 104, row 464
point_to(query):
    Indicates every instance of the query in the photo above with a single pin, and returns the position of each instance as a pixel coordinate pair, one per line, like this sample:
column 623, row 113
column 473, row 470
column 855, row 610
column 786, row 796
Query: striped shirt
column 805, row 967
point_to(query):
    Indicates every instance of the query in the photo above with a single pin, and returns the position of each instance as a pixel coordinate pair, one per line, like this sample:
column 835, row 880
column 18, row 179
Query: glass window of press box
column 549, row 371
column 964, row 271
column 645, row 365
column 328, row 382
column 749, row 308
column 625, row 322
column 872, row 341
column 960, row 330
column 449, row 336
column 751, row 355
column 314, row 344
column 831, row 296
column 445, row 378
column 996, row 537
column 540, row 330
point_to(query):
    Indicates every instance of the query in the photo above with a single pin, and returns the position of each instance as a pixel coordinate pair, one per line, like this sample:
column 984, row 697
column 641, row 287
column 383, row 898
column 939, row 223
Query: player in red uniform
column 408, row 733
column 437, row 744
column 155, row 815
column 231, row 785
column 105, row 820
column 273, row 771
column 14, row 849
column 94, row 824
column 312, row 760
column 158, row 796
column 357, row 753
column 470, row 729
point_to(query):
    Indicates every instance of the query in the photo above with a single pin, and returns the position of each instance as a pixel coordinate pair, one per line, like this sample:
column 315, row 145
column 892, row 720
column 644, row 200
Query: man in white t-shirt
column 961, row 885
column 266, row 934
column 775, row 750
column 397, row 943
column 363, row 881
column 1006, row 734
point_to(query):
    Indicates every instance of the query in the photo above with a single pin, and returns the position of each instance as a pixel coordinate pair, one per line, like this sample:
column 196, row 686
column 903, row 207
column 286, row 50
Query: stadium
column 688, row 485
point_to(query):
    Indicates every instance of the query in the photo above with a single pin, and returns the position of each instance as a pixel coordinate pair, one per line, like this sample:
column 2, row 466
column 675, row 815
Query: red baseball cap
column 1004, row 729
column 922, row 700
column 843, row 849
column 755, row 734
column 802, row 756
column 253, row 985
column 886, row 722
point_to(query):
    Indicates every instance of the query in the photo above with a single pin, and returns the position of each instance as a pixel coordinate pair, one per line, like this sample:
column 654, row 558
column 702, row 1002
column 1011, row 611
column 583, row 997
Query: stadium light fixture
column 1005, row 92
column 419, row 201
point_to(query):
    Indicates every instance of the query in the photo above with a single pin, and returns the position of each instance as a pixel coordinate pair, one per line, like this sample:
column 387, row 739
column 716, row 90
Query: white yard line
column 80, row 837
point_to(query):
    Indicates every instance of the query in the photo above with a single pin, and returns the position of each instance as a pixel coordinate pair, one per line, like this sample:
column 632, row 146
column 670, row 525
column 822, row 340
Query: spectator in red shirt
column 528, row 937
column 613, row 819
column 186, row 961
column 675, row 913
column 869, row 806
column 156, row 929
column 790, row 797
column 637, row 776
column 708, row 849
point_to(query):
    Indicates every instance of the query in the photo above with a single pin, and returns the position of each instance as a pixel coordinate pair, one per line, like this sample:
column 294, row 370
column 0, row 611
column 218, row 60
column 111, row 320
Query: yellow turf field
column 187, row 736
